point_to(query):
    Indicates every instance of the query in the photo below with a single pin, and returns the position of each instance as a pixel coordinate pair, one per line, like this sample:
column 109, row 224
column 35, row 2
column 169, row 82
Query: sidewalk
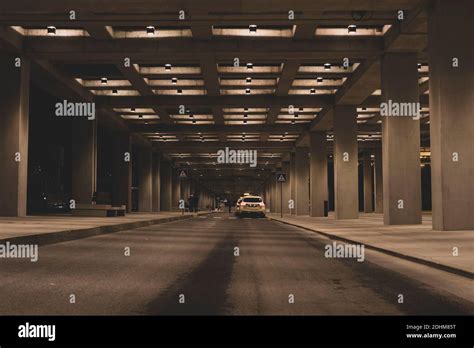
column 49, row 229
column 418, row 243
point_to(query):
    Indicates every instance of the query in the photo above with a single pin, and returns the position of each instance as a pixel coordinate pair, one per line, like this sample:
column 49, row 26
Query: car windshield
column 252, row 200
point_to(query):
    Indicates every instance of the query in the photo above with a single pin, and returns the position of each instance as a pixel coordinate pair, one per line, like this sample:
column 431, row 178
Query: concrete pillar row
column 176, row 189
column 165, row 181
column 401, row 141
column 302, row 181
column 368, row 183
column 14, row 114
column 292, row 180
column 378, row 180
column 451, row 74
column 145, row 181
column 278, row 192
column 122, row 170
column 318, row 171
column 156, row 182
column 346, row 186
column 286, row 187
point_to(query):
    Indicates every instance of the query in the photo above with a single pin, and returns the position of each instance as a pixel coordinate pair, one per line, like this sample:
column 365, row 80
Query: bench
column 104, row 210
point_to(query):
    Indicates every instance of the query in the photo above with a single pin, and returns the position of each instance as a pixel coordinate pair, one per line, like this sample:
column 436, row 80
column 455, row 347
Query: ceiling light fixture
column 150, row 30
column 174, row 80
column 51, row 30
column 180, row 91
column 114, row 91
column 249, row 66
column 253, row 29
column 248, row 80
column 312, row 91
column 327, row 66
column 168, row 67
column 103, row 80
column 351, row 29
column 319, row 80
column 247, row 91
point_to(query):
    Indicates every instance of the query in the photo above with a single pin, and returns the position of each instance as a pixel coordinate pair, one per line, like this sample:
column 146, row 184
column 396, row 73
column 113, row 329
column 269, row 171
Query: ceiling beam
column 86, row 49
column 220, row 101
column 216, row 128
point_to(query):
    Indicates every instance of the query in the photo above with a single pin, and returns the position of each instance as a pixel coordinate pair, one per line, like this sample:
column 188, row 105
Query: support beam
column 319, row 173
column 145, row 182
column 166, row 182
column 368, row 183
column 156, row 182
column 401, row 142
column 14, row 115
column 301, row 181
column 378, row 180
column 451, row 115
column 346, row 189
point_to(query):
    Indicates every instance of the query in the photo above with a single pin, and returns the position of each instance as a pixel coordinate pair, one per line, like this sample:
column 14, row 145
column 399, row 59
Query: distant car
column 250, row 205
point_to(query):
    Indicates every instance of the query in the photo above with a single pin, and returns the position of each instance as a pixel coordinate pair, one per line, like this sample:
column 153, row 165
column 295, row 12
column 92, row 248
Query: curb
column 69, row 235
column 439, row 266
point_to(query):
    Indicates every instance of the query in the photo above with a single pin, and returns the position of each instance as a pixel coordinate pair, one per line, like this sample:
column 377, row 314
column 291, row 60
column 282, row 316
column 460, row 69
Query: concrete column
column 346, row 187
column 84, row 159
column 14, row 114
column 319, row 172
column 451, row 114
column 286, row 187
column 401, row 142
column 145, row 182
column 278, row 192
column 165, row 178
column 122, row 170
column 292, row 180
column 176, row 189
column 378, row 185
column 368, row 183
column 273, row 192
column 156, row 185
column 302, row 181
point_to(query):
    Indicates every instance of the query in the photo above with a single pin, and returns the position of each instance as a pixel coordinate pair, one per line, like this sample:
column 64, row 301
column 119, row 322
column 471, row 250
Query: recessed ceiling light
column 247, row 91
column 51, row 30
column 319, row 80
column 312, row 91
column 419, row 66
column 168, row 67
column 327, row 66
column 249, row 66
column 351, row 29
column 296, row 115
column 194, row 121
column 114, row 91
column 103, row 80
column 150, row 30
column 174, row 80
column 180, row 91
column 253, row 29
column 248, row 79
column 292, row 121
column 140, row 116
column 246, row 109
column 245, row 115
column 132, row 109
column 245, row 121
column 191, row 115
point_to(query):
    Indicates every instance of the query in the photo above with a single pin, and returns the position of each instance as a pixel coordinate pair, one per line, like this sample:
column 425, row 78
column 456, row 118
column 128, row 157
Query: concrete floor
column 418, row 241
column 11, row 227
column 195, row 257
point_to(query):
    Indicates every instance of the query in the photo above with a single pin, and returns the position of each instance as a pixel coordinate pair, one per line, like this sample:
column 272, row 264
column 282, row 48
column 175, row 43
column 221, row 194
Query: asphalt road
column 196, row 258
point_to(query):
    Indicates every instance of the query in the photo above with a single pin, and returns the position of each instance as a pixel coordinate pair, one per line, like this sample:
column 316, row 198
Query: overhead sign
column 281, row 177
column 183, row 173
